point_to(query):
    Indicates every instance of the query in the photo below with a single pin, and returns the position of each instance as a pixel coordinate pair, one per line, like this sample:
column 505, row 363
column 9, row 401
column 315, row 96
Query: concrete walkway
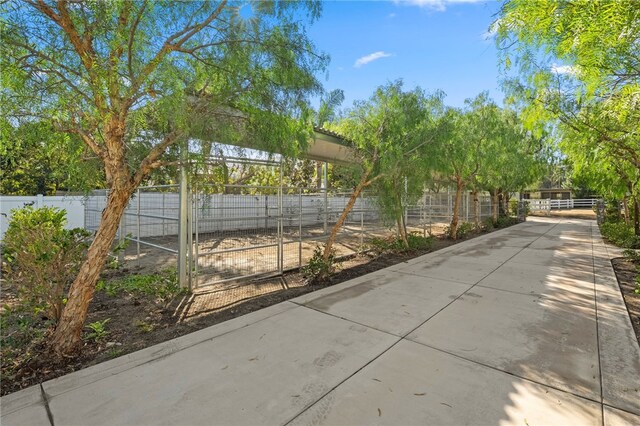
column 522, row 326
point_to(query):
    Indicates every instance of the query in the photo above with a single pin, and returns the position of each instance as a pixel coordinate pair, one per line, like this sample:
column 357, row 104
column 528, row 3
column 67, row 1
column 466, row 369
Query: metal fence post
column 280, row 224
column 429, row 212
column 190, row 238
column 266, row 211
column 405, row 206
column 163, row 214
column 122, row 233
column 466, row 207
column 362, row 204
column 300, row 227
column 138, row 236
column 182, row 228
column 326, row 196
column 196, row 249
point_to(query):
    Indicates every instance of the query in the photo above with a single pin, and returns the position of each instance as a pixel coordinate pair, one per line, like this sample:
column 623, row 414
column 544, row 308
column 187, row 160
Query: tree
column 514, row 159
column 35, row 159
column 391, row 132
column 147, row 75
column 579, row 66
column 463, row 152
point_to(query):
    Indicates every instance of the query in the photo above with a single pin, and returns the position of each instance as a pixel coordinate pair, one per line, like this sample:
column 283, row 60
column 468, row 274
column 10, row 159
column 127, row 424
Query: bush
column 504, row 221
column 632, row 255
column 620, row 234
column 487, row 224
column 319, row 270
column 42, row 257
column 396, row 245
column 163, row 286
column 464, row 229
column 419, row 242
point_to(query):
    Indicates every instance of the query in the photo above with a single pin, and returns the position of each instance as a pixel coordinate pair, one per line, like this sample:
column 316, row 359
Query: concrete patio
column 522, row 326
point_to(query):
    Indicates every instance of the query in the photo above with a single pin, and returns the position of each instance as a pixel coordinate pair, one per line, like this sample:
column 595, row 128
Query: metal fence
column 241, row 231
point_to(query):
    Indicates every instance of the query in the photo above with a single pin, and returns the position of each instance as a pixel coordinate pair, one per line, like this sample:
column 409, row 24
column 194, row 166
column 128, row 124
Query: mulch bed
column 626, row 272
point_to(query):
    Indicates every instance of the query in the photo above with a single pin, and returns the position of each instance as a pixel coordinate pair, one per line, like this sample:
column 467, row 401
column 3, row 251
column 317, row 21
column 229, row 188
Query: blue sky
column 434, row 44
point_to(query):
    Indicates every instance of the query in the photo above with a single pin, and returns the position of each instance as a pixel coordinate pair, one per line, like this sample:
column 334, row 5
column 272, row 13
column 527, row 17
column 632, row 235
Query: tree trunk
column 636, row 216
column 476, row 208
column 494, row 205
column 343, row 216
column 67, row 336
column 627, row 215
column 453, row 229
column 505, row 203
column 402, row 230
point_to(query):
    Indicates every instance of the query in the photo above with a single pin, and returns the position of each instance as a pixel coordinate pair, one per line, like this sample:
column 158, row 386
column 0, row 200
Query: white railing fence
column 550, row 204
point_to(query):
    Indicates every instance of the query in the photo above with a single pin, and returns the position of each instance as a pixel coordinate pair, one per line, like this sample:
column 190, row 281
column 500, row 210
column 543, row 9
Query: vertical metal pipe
column 190, row 238
column 466, row 207
column 122, row 233
column 429, row 212
column 163, row 213
column 196, row 256
column 280, row 220
column 326, row 195
column 361, row 223
column 182, row 226
column 266, row 212
column 300, row 227
column 138, row 233
column 405, row 207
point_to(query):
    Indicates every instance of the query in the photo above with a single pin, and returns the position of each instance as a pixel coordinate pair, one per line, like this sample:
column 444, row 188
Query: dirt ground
column 626, row 272
column 232, row 255
column 585, row 213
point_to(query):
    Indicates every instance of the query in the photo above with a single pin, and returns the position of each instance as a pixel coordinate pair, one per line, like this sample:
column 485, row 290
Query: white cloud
column 492, row 31
column 392, row 15
column 563, row 69
column 438, row 5
column 370, row 58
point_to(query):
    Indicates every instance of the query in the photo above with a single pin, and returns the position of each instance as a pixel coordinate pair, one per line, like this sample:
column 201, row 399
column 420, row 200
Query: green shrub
column 620, row 234
column 487, row 224
column 319, row 270
column 612, row 211
column 464, row 229
column 637, row 289
column 97, row 330
column 504, row 221
column 396, row 245
column 163, row 285
column 419, row 242
column 632, row 255
column 42, row 257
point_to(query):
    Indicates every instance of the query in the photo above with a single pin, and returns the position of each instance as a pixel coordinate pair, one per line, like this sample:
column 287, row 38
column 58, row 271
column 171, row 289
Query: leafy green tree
column 514, row 160
column 36, row 159
column 133, row 78
column 464, row 151
column 578, row 66
column 391, row 132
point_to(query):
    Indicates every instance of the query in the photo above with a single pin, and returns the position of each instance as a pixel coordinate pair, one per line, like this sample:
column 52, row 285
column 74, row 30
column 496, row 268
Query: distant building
column 548, row 193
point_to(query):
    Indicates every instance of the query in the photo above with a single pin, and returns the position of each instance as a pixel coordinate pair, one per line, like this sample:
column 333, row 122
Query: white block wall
column 74, row 205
